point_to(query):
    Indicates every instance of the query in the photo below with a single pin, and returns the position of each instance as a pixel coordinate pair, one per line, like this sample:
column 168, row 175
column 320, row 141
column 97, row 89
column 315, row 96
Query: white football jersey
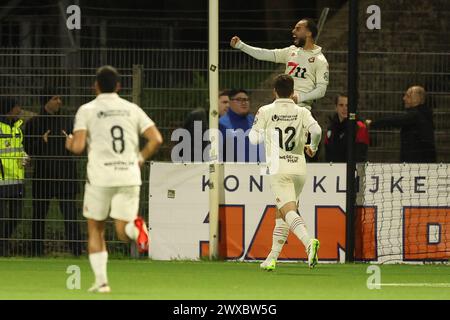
column 307, row 67
column 113, row 128
column 285, row 126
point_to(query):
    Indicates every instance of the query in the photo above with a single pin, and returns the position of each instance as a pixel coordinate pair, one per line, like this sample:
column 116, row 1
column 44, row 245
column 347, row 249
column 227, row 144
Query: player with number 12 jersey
column 281, row 125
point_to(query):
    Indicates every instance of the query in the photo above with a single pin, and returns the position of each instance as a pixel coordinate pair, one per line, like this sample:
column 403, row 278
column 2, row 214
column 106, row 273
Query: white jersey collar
column 108, row 95
column 284, row 100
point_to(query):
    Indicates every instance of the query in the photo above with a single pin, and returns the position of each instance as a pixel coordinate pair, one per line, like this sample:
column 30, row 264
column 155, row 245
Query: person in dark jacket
column 336, row 137
column 416, row 128
column 54, row 174
column 197, row 124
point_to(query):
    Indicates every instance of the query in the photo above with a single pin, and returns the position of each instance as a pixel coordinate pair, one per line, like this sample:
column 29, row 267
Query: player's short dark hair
column 234, row 92
column 336, row 98
column 312, row 26
column 107, row 78
column 284, row 85
column 224, row 93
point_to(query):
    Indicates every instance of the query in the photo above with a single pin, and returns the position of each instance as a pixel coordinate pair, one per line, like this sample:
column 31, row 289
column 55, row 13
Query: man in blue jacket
column 235, row 126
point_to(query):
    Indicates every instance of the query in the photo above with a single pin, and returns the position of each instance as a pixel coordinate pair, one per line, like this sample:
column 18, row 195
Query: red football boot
column 142, row 239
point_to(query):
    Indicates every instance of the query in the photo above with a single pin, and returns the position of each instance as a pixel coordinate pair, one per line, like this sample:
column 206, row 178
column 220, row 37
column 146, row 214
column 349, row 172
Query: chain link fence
column 174, row 82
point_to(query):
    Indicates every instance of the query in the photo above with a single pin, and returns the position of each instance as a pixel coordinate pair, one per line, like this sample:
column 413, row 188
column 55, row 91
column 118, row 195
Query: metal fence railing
column 175, row 81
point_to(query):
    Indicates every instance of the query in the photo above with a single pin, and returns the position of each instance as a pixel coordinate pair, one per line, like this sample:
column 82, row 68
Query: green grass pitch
column 145, row 279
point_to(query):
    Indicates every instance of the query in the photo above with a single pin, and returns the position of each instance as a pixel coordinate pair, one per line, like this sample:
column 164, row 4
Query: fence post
column 137, row 83
column 351, row 130
column 136, row 98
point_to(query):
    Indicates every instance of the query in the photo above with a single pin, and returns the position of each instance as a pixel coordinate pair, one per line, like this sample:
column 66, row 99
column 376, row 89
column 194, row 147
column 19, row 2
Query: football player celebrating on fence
column 304, row 62
column 282, row 126
column 110, row 127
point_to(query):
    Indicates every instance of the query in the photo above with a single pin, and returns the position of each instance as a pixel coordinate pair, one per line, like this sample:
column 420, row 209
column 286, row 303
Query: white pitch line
column 431, row 285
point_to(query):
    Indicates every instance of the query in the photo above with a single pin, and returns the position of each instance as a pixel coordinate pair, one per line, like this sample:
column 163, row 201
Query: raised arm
column 257, row 53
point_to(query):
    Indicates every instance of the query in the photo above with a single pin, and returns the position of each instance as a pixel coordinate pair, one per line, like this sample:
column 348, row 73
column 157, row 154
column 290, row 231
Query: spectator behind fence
column 12, row 172
column 55, row 173
column 197, row 123
column 234, row 127
column 336, row 137
column 224, row 102
column 416, row 127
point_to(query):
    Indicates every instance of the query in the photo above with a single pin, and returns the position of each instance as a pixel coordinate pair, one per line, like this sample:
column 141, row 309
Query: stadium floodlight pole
column 351, row 129
column 214, row 183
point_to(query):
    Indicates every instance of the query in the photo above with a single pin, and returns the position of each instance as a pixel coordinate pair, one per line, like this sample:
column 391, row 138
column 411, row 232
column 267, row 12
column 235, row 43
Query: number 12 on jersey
column 287, row 145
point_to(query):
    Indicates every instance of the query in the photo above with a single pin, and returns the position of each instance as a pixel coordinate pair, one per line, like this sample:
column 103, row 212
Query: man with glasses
column 234, row 126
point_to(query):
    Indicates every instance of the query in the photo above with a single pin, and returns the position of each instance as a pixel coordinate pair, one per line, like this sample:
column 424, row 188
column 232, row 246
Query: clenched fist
column 309, row 151
column 234, row 41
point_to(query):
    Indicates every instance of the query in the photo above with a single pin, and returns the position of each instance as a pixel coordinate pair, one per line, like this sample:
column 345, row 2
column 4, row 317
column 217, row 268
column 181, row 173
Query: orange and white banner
column 402, row 214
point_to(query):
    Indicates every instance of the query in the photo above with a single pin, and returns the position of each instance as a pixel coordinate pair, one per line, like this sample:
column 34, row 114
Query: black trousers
column 68, row 209
column 11, row 204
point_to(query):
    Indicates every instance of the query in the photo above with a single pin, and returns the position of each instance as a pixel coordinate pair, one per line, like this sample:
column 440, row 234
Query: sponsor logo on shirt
column 276, row 118
column 113, row 113
column 289, row 158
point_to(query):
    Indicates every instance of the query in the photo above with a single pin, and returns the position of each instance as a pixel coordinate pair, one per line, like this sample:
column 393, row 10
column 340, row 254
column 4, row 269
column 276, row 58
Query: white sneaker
column 268, row 264
column 103, row 288
column 312, row 250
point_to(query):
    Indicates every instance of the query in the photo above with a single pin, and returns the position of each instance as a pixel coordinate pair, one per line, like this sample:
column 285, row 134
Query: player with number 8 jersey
column 110, row 127
column 114, row 125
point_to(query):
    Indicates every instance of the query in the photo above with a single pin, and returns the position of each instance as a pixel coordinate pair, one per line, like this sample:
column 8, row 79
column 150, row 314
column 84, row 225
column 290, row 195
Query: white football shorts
column 120, row 203
column 286, row 187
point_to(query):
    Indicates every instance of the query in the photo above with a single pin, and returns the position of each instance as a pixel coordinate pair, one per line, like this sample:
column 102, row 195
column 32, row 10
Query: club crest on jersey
column 311, row 60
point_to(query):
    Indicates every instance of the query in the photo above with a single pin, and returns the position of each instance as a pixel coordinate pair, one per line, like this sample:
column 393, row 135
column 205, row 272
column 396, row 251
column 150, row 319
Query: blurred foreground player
column 282, row 126
column 110, row 127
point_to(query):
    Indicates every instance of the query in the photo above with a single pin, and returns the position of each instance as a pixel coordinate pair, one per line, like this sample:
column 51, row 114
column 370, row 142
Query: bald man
column 416, row 127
